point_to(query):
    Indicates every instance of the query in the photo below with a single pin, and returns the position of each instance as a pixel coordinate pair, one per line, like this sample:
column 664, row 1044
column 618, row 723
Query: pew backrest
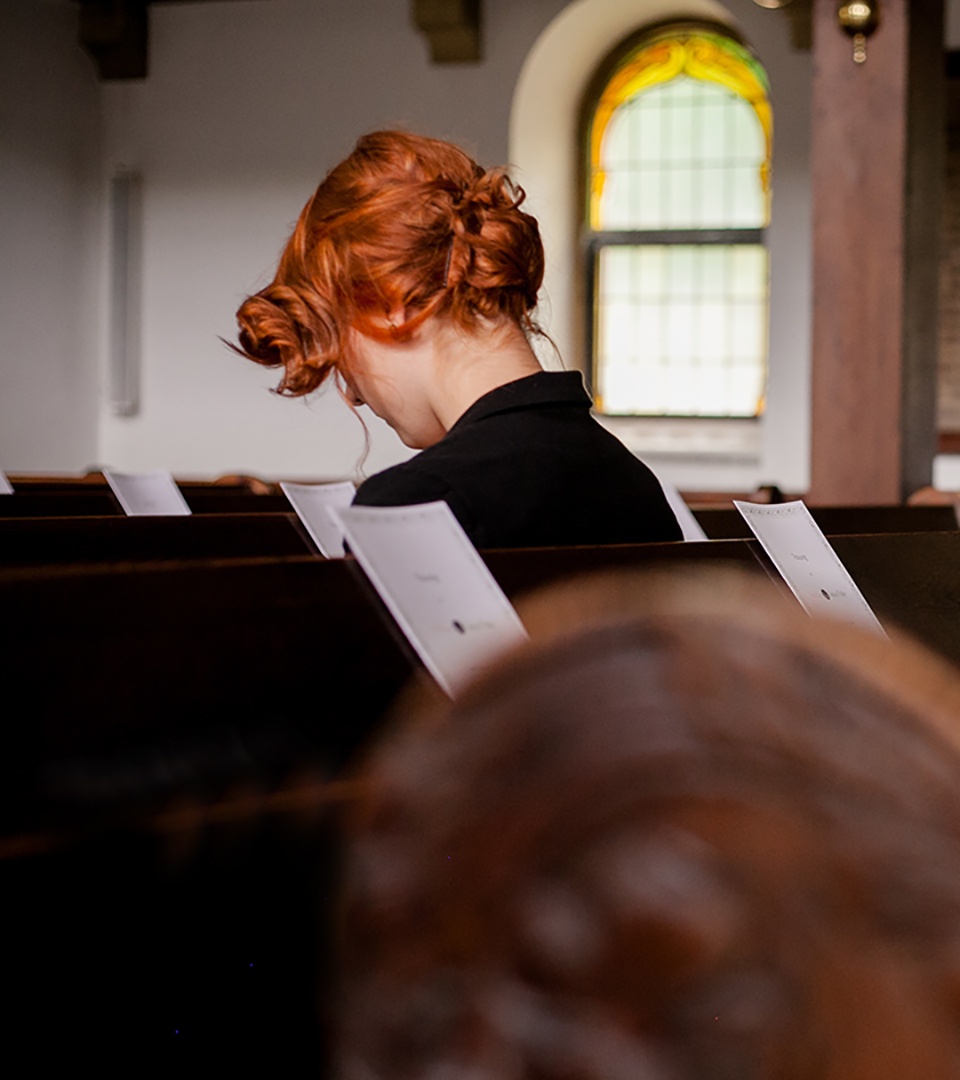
column 62, row 541
column 724, row 523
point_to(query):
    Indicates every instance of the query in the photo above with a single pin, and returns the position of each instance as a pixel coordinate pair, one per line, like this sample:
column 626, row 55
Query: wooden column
column 877, row 176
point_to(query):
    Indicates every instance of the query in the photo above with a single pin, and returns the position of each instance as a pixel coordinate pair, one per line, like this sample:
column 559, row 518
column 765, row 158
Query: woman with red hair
column 412, row 277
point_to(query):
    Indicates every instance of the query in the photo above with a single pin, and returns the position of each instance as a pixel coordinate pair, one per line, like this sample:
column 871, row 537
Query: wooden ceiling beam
column 452, row 29
column 800, row 14
column 116, row 34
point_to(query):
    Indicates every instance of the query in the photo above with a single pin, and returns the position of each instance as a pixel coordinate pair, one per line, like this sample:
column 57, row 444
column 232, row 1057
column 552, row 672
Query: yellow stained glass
column 699, row 57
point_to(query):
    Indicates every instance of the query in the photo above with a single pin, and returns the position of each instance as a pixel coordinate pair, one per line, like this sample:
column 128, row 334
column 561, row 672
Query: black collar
column 541, row 388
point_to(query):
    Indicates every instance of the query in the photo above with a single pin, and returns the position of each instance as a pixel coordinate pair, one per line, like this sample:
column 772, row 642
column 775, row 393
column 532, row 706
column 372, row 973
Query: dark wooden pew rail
column 727, row 523
column 61, row 541
column 93, row 500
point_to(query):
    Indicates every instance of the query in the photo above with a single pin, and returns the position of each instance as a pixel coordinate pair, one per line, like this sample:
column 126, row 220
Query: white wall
column 49, row 246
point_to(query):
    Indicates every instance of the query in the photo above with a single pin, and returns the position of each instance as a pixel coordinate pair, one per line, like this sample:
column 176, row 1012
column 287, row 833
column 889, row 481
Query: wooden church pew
column 90, row 500
column 211, row 500
column 158, row 695
column 165, row 693
column 61, row 541
column 911, row 580
column 520, row 570
column 266, row 660
column 81, row 501
column 726, row 523
column 108, row 647
column 122, row 655
column 126, row 655
column 95, row 480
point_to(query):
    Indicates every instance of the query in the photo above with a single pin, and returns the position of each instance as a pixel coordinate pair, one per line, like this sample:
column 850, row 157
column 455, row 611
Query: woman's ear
column 387, row 324
column 397, row 319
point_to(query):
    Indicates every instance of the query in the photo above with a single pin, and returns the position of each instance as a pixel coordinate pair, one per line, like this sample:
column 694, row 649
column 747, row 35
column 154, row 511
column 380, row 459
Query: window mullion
column 637, row 237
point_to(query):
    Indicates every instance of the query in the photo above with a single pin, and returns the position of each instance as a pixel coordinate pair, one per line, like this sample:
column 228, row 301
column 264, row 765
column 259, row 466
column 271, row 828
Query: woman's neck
column 468, row 365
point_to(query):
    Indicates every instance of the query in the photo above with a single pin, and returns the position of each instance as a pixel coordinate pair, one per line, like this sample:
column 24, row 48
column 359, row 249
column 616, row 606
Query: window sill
column 690, row 438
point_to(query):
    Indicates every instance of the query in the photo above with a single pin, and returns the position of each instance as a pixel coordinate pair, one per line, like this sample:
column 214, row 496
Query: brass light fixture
column 859, row 18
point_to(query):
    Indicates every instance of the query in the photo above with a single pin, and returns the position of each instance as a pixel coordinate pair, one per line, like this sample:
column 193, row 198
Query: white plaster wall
column 49, row 228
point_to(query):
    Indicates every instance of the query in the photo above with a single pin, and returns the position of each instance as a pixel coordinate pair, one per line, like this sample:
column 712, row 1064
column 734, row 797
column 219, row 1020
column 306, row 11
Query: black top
column 528, row 466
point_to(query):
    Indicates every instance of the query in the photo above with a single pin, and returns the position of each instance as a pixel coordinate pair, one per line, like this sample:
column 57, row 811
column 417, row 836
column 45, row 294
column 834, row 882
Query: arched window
column 677, row 136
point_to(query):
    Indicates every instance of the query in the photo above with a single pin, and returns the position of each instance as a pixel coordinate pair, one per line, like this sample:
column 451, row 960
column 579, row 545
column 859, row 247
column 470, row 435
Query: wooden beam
column 115, row 34
column 452, row 29
column 877, row 178
column 800, row 14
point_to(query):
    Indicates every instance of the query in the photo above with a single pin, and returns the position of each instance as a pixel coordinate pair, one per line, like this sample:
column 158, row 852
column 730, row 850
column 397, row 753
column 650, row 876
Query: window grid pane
column 681, row 329
column 685, row 154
